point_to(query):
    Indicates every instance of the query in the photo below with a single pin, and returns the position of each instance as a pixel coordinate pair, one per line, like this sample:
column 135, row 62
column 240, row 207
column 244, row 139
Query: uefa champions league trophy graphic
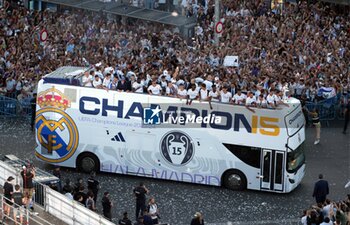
column 177, row 149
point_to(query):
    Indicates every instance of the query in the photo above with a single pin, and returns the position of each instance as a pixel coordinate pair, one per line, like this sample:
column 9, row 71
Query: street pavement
column 179, row 201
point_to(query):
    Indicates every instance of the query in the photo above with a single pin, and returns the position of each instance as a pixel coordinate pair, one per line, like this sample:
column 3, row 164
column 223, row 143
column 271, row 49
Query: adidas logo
column 119, row 137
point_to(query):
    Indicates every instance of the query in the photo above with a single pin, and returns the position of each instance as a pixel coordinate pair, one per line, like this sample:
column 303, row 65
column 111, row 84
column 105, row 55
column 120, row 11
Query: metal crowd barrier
column 328, row 109
column 8, row 107
column 17, row 211
column 11, row 107
column 55, row 203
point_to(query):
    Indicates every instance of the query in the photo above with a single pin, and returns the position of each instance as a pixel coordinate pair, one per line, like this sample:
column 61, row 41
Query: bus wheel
column 88, row 162
column 235, row 180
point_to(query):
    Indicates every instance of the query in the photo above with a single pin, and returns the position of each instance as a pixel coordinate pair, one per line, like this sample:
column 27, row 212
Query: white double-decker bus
column 164, row 138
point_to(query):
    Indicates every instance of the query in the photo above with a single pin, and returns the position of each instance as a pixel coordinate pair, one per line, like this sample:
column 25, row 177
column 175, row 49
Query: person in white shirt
column 303, row 219
column 99, row 73
column 239, row 98
column 10, row 85
column 87, row 79
column 292, row 87
column 217, row 83
column 26, row 87
column 166, row 75
column 203, row 93
column 106, row 82
column 261, row 102
column 225, row 96
column 214, row 94
column 153, row 210
column 137, row 86
column 208, row 82
column 163, row 83
column 326, row 221
column 171, row 89
column 192, row 94
column 182, row 92
column 154, row 88
column 97, row 83
column 271, row 98
column 327, row 208
column 258, row 91
column 279, row 98
column 299, row 89
column 19, row 85
column 108, row 69
column 251, row 100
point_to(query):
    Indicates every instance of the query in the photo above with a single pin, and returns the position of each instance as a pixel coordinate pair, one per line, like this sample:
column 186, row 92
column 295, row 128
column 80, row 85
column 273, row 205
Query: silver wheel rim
column 88, row 164
column 234, row 180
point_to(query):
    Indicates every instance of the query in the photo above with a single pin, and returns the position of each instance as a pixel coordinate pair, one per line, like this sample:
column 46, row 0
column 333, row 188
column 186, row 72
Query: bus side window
column 248, row 155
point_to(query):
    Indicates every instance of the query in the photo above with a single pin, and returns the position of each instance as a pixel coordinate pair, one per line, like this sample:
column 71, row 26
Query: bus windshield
column 295, row 159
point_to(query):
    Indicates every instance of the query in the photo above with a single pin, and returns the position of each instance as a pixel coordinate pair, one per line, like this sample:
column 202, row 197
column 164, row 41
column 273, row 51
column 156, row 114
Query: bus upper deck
column 289, row 115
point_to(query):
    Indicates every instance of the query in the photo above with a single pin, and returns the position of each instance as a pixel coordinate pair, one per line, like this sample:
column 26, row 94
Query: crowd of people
column 302, row 52
column 19, row 198
column 86, row 194
column 328, row 213
column 325, row 211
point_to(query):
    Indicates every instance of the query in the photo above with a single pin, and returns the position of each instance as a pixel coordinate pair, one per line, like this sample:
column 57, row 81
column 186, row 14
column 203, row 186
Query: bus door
column 139, row 153
column 272, row 170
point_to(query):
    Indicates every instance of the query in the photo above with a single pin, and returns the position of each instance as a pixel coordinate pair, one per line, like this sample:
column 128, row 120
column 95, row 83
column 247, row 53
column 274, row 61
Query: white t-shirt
column 173, row 91
column 10, row 84
column 304, row 220
column 203, row 94
column 109, row 70
column 85, row 79
column 326, row 210
column 208, row 84
column 155, row 89
column 137, row 87
column 214, row 95
column 271, row 99
column 225, row 97
column 19, row 86
column 106, row 82
column 324, row 223
column 27, row 88
column 153, row 211
column 97, row 83
column 182, row 93
column 250, row 100
column 99, row 74
column 239, row 99
column 261, row 103
column 192, row 94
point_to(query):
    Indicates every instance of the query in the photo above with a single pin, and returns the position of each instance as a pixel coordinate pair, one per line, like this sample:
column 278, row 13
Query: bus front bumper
column 294, row 179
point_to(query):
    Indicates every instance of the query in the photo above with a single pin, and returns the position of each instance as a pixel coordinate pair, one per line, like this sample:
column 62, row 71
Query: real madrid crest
column 56, row 131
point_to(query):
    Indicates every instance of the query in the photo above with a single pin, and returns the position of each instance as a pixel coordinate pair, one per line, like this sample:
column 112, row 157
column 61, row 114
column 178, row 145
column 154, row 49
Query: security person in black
column 107, row 206
column 93, row 185
column 140, row 194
